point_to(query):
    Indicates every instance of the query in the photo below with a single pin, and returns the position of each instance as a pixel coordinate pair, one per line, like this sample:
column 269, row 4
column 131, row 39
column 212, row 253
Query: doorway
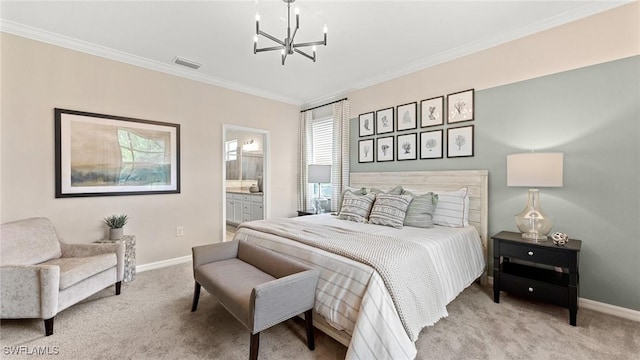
column 245, row 176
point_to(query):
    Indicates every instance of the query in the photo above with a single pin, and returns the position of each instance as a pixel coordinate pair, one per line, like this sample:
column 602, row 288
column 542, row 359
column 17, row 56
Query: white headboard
column 476, row 181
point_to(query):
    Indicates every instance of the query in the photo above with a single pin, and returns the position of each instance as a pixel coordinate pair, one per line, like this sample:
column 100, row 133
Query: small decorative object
column 406, row 115
column 254, row 189
column 460, row 106
column 406, row 147
column 431, row 110
column 366, row 124
column 384, row 149
column 365, row 151
column 559, row 238
column 259, row 183
column 460, row 141
column 384, row 121
column 431, row 144
column 116, row 224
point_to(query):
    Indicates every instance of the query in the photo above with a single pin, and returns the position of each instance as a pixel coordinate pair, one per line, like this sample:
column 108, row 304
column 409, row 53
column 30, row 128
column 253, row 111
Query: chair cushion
column 74, row 270
column 232, row 281
column 28, row 242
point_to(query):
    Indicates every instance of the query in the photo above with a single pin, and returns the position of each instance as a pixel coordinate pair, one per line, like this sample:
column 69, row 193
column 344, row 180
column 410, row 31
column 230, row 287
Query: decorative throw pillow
column 420, row 210
column 389, row 210
column 395, row 191
column 452, row 209
column 356, row 207
column 356, row 191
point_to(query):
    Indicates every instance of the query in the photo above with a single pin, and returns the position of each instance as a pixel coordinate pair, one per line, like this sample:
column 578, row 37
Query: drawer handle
column 530, row 289
column 530, row 253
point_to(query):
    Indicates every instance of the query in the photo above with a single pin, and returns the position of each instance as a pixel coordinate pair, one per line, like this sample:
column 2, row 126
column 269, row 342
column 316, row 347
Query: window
column 322, row 148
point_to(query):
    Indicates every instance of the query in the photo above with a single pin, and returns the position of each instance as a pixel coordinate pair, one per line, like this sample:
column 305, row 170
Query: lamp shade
column 319, row 174
column 535, row 169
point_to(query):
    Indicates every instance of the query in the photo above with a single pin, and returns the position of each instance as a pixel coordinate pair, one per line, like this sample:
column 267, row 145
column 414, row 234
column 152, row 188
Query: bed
column 375, row 311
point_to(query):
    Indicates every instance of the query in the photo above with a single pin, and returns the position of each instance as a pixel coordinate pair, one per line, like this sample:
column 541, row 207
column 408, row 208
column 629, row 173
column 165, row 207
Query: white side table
column 129, row 257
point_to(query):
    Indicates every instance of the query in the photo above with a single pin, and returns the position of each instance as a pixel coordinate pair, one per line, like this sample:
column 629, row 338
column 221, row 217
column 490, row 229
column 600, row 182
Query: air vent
column 188, row 63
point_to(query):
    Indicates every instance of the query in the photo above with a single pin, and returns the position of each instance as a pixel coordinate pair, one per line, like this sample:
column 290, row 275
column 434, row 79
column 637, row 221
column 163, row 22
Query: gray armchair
column 41, row 276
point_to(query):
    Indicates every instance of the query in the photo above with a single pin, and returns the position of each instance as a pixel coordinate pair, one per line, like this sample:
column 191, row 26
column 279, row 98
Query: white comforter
column 352, row 296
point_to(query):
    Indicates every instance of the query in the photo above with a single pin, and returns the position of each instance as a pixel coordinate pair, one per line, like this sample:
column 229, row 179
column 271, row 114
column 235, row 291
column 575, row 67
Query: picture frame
column 384, row 121
column 431, row 146
column 366, row 123
column 460, row 142
column 431, row 112
column 384, row 149
column 406, row 116
column 365, row 151
column 406, row 147
column 460, row 106
column 107, row 155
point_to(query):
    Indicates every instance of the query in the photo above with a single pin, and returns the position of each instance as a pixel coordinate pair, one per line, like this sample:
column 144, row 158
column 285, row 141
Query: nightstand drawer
column 534, row 254
column 535, row 289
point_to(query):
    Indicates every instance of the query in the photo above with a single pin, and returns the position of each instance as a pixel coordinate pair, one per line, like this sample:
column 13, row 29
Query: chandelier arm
column 272, row 38
column 271, row 48
column 313, row 58
column 308, row 44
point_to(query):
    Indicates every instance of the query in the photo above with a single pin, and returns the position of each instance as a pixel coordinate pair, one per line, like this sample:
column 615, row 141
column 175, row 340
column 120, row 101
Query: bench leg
column 308, row 316
column 48, row 326
column 196, row 297
column 255, row 344
column 118, row 287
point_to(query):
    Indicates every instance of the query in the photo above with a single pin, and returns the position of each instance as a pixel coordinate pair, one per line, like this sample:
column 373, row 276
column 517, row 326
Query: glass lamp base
column 532, row 221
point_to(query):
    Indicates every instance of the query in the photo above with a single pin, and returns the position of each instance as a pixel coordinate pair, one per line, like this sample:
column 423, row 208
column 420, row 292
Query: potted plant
column 116, row 224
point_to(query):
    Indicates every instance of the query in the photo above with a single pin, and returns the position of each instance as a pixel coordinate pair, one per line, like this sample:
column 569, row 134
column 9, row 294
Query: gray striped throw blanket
column 405, row 267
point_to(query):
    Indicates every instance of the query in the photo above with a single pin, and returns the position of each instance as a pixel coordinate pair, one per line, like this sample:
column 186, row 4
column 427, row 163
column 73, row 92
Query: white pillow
column 452, row 209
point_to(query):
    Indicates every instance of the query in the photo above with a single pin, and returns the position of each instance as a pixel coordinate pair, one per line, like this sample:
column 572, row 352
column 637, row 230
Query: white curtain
column 305, row 140
column 340, row 163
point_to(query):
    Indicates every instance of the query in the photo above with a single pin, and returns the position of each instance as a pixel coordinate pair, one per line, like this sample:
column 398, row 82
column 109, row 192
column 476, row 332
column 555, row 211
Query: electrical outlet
column 179, row 231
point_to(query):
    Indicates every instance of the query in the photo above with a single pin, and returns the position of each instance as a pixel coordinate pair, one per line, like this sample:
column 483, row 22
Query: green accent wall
column 590, row 114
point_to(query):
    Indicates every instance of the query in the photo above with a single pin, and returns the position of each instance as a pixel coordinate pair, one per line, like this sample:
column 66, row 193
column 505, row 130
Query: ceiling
column 368, row 41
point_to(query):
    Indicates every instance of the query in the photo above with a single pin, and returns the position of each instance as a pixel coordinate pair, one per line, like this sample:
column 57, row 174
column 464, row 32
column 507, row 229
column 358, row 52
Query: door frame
column 266, row 174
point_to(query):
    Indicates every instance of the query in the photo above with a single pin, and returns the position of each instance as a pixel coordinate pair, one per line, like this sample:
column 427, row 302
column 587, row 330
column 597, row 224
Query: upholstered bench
column 259, row 287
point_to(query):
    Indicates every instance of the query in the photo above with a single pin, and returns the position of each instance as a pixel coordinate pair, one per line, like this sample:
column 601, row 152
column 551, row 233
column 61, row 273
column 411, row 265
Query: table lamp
column 319, row 174
column 534, row 170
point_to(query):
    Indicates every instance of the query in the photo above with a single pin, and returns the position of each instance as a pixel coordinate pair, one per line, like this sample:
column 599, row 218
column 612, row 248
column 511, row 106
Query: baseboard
column 163, row 263
column 605, row 308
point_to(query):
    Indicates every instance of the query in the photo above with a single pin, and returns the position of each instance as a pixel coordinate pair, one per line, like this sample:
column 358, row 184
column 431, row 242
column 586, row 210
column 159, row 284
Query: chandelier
column 288, row 47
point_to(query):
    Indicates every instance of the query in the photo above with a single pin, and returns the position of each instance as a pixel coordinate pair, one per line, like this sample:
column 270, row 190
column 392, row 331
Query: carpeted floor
column 152, row 320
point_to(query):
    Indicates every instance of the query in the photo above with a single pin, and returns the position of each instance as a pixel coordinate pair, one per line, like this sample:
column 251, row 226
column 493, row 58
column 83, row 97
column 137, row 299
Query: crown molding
column 477, row 46
column 29, row 32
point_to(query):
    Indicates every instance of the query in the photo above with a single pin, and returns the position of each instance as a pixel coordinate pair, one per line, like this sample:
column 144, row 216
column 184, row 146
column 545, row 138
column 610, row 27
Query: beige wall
column 38, row 77
column 611, row 35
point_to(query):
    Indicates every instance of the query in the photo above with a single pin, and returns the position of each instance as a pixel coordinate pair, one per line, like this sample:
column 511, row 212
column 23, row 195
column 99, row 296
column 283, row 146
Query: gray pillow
column 395, row 191
column 421, row 209
column 356, row 207
column 389, row 210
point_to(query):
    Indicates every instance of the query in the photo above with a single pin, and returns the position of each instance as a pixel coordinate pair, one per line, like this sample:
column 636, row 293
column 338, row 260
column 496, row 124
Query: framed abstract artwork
column 406, row 116
column 431, row 112
column 101, row 155
column 384, row 121
column 365, row 151
column 431, row 144
column 460, row 141
column 460, row 106
column 406, row 147
column 384, row 149
column 366, row 124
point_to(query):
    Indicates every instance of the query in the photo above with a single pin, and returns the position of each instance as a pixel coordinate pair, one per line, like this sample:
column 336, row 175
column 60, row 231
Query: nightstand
column 532, row 272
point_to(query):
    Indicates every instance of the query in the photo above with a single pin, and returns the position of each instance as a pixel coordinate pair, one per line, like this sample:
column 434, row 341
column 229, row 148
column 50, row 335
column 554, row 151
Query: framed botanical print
column 431, row 144
column 365, row 151
column 460, row 106
column 384, row 121
column 431, row 112
column 384, row 149
column 406, row 147
column 460, row 141
column 366, row 124
column 406, row 116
